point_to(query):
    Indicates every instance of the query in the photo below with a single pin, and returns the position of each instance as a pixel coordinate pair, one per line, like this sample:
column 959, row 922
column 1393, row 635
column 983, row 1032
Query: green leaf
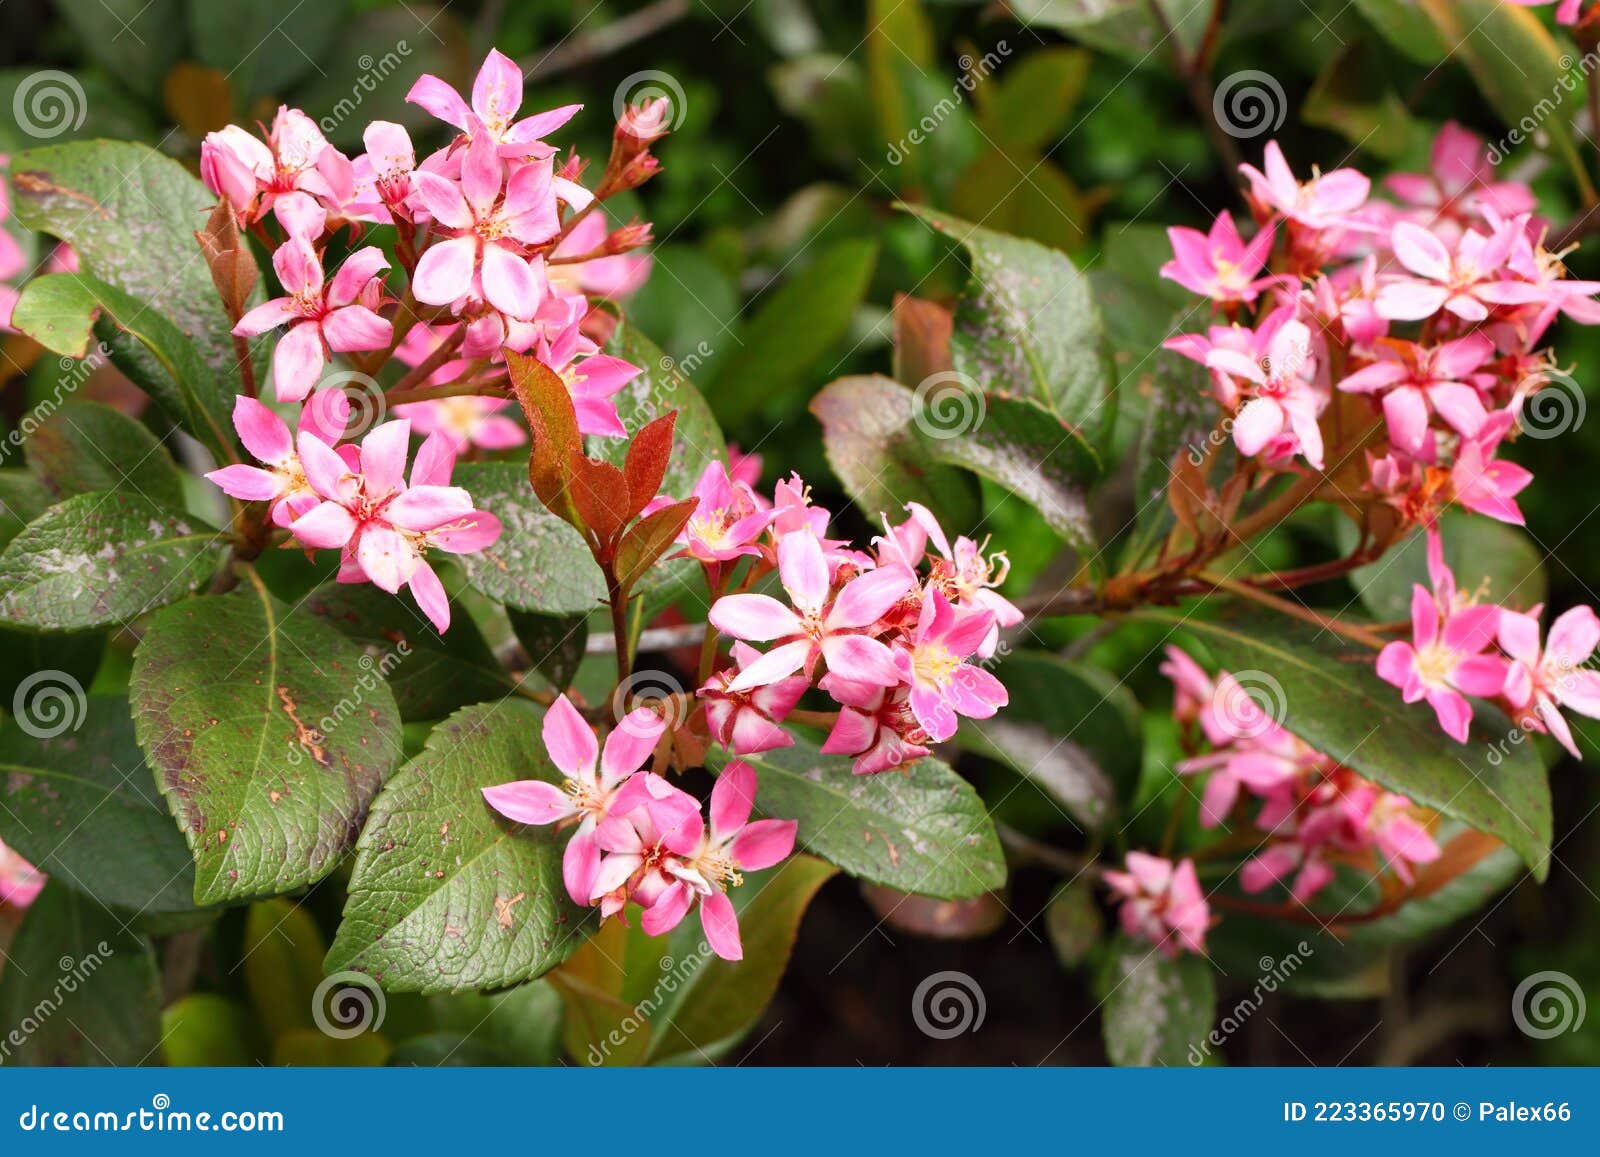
column 899, row 52
column 1519, row 68
column 282, row 961
column 1485, row 868
column 1027, row 105
column 633, row 999
column 663, row 387
column 1127, row 29
column 78, row 988
column 55, row 105
column 267, row 735
column 1021, row 446
column 1499, row 561
column 1069, row 729
column 22, row 499
column 793, row 330
column 99, row 559
column 555, row 644
column 131, row 214
column 1408, row 28
column 1337, row 704
column 1073, row 922
column 59, row 311
column 1353, row 96
column 925, row 831
column 447, row 895
column 521, row 1026
column 429, row 674
column 1027, row 196
column 79, row 803
column 85, row 446
column 1027, row 326
column 1154, row 1010
column 869, row 435
column 204, row 1028
column 131, row 39
column 540, row 563
column 264, row 46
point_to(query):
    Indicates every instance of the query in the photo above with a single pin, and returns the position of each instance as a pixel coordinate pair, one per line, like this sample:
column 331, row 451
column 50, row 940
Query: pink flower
column 496, row 99
column 1462, row 181
column 594, row 782
column 280, row 479
column 933, row 660
column 1445, row 661
column 382, row 174
column 613, row 277
column 732, row 845
column 20, row 881
column 1417, row 380
column 1326, row 201
column 481, row 257
column 966, row 575
column 1553, row 677
column 875, row 725
column 1483, row 483
column 1566, row 11
column 236, row 166
column 746, row 722
column 465, row 421
column 321, row 317
column 592, row 378
column 1219, row 265
column 818, row 625
column 1468, row 283
column 1276, row 374
column 1162, row 903
column 728, row 520
column 384, row 526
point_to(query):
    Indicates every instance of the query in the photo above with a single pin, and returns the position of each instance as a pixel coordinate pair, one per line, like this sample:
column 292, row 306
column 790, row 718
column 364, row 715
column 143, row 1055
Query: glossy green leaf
column 555, row 644
column 793, row 329
column 446, row 894
column 131, row 214
column 1406, row 25
column 1028, row 104
column 1127, row 29
column 1069, row 729
column 1154, row 1009
column 1499, row 562
column 65, row 312
column 267, row 735
column 1028, row 326
column 1336, row 702
column 869, row 433
column 77, row 988
column 80, row 804
column 430, row 674
column 661, row 388
column 924, row 831
column 84, row 447
column 99, row 559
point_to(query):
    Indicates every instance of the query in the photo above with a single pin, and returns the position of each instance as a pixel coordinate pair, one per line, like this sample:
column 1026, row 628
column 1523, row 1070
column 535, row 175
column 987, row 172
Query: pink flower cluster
column 1462, row 647
column 1161, row 903
column 638, row 839
column 894, row 635
column 1314, row 813
column 1432, row 305
column 501, row 247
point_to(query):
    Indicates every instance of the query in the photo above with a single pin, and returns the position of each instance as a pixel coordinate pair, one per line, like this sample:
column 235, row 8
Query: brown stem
column 1295, row 610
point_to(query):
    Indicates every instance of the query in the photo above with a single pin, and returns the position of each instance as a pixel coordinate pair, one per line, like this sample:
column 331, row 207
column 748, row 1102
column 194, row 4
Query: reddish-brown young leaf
column 599, row 494
column 648, row 540
column 553, row 423
column 646, row 463
column 922, row 331
column 232, row 265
